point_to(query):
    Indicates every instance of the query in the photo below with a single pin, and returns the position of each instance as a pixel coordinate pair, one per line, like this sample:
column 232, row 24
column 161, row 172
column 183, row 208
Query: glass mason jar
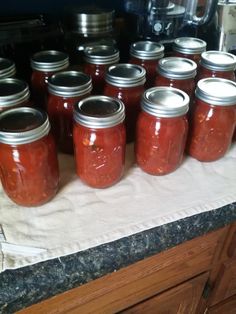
column 65, row 89
column 213, row 120
column 217, row 64
column 97, row 60
column 28, row 159
column 7, row 68
column 147, row 54
column 44, row 64
column 189, row 47
column 162, row 129
column 13, row 93
column 99, row 140
column 178, row 73
column 126, row 81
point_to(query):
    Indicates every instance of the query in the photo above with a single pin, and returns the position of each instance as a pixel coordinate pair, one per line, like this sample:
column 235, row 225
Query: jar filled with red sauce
column 189, row 47
column 7, row 68
column 126, row 81
column 147, row 54
column 178, row 73
column 65, row 89
column 213, row 120
column 13, row 93
column 97, row 60
column 217, row 64
column 44, row 64
column 28, row 159
column 99, row 140
column 162, row 129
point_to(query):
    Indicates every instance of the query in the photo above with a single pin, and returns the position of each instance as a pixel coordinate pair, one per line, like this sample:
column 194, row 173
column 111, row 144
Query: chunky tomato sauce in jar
column 189, row 47
column 178, row 73
column 65, row 90
column 28, row 160
column 7, row 68
column 13, row 93
column 217, row 64
column 99, row 140
column 44, row 64
column 126, row 81
column 97, row 60
column 161, row 130
column 147, row 54
column 213, row 120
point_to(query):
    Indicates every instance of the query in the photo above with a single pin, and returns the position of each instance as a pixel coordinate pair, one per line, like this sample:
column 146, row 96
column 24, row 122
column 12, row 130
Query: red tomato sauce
column 100, row 154
column 211, row 131
column 29, row 172
column 160, row 143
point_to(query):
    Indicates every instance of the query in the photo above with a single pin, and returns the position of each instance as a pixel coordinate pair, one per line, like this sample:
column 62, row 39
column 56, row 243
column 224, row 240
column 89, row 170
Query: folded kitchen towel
column 80, row 217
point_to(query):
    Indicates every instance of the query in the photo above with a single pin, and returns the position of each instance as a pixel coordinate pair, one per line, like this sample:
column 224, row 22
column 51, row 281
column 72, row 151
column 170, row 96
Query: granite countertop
column 28, row 285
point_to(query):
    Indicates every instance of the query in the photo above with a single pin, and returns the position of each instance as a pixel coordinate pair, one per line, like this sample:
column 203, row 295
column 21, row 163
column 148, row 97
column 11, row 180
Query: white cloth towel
column 80, row 217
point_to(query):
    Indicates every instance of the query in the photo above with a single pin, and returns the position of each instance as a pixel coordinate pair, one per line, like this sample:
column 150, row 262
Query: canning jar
column 28, row 160
column 7, row 68
column 99, row 140
column 147, row 54
column 44, row 64
column 97, row 60
column 213, row 119
column 13, row 93
column 65, row 89
column 217, row 64
column 177, row 72
column 126, row 81
column 162, row 129
column 189, row 47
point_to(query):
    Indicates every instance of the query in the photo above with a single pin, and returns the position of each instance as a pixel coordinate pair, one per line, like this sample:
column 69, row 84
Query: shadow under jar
column 65, row 90
column 147, row 54
column 217, row 64
column 189, row 47
column 97, row 60
column 213, row 120
column 99, row 140
column 44, row 64
column 13, row 93
column 125, row 81
column 7, row 68
column 162, row 129
column 28, row 160
column 178, row 73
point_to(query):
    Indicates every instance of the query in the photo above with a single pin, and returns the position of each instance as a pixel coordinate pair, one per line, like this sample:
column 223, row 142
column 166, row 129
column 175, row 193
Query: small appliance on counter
column 163, row 20
column 226, row 25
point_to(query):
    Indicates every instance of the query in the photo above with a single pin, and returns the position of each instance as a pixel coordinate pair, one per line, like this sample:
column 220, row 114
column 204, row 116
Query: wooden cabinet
column 195, row 277
column 183, row 299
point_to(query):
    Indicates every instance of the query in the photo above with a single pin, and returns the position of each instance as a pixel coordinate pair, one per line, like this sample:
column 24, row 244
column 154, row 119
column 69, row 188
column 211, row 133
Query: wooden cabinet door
column 226, row 307
column 225, row 285
column 182, row 299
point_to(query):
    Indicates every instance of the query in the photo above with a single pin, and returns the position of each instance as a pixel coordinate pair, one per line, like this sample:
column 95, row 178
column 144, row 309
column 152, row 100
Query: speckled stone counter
column 28, row 285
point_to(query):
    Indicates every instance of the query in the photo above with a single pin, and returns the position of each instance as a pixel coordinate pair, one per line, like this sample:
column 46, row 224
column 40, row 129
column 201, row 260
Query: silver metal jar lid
column 99, row 112
column 69, row 84
column 165, row 101
column 7, row 68
column 126, row 75
column 92, row 21
column 101, row 54
column 216, row 91
column 218, row 60
column 177, row 68
column 147, row 50
column 23, row 125
column 189, row 45
column 13, row 92
column 49, row 60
